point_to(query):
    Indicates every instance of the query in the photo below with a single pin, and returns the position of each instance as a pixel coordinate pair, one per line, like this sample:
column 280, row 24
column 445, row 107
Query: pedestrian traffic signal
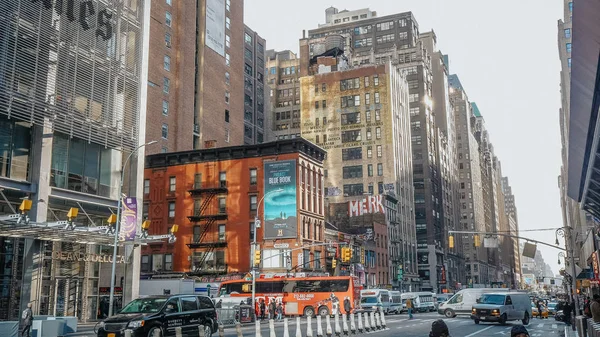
column 400, row 272
column 257, row 257
column 333, row 263
column 477, row 240
column 451, row 241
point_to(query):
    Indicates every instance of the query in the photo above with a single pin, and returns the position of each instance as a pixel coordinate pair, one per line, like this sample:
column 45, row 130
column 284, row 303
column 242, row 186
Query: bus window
column 269, row 287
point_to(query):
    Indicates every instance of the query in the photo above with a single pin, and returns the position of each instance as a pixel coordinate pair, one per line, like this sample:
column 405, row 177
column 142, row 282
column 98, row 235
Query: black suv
column 163, row 313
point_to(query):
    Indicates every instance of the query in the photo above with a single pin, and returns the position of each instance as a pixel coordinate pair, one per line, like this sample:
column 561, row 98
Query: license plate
column 111, row 335
column 482, row 318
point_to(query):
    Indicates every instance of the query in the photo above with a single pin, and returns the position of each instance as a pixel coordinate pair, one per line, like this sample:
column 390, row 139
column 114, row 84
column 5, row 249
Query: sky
column 506, row 56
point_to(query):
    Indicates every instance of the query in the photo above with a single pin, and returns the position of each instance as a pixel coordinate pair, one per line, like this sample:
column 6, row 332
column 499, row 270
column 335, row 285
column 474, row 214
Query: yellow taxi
column 535, row 312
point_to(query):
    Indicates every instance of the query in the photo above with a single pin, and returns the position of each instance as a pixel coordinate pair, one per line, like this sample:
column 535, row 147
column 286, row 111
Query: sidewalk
column 569, row 331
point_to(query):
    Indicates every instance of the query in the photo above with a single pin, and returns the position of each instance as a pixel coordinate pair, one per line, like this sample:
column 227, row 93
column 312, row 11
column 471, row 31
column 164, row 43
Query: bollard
column 352, row 324
column 298, row 327
column 367, row 324
column 345, row 324
column 360, row 323
column 373, row 327
column 286, row 328
column 378, row 320
column 338, row 329
column 257, row 332
column 221, row 330
column 238, row 329
column 128, row 333
column 329, row 330
column 319, row 327
column 383, row 325
column 272, row 328
column 309, row 331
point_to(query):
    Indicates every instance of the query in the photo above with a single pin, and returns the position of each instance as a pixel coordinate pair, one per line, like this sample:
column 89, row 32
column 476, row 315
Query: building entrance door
column 67, row 297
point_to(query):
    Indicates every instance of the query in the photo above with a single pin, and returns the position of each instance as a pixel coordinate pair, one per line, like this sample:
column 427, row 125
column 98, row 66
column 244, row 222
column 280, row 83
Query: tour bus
column 375, row 300
column 300, row 296
column 396, row 302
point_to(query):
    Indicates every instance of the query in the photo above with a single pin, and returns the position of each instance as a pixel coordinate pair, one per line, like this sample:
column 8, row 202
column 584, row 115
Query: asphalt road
column 400, row 325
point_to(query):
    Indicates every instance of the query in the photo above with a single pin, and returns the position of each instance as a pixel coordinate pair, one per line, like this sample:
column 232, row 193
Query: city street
column 399, row 325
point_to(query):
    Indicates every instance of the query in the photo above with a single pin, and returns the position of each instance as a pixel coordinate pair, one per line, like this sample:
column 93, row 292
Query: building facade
column 214, row 196
column 196, row 75
column 254, row 87
column 283, row 69
column 72, row 105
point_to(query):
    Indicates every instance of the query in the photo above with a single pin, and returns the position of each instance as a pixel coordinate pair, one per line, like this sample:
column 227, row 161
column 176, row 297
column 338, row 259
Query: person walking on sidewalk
column 279, row 311
column 595, row 308
column 27, row 320
column 409, row 307
column 347, row 306
column 567, row 309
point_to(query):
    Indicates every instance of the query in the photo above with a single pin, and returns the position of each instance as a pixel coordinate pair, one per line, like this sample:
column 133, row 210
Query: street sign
column 281, row 245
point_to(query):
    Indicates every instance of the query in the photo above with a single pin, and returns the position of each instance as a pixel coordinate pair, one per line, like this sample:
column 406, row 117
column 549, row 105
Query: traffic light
column 333, row 263
column 400, row 272
column 451, row 241
column 477, row 240
column 257, row 257
column 346, row 254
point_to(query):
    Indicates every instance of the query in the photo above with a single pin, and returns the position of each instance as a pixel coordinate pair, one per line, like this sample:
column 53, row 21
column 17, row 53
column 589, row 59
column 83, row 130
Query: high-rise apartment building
column 360, row 116
column 369, row 39
column 254, row 88
column 72, row 108
column 283, row 69
column 196, row 75
column 513, row 224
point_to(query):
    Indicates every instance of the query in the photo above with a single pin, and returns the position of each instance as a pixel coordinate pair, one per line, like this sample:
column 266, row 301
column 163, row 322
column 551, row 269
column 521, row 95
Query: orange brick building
column 214, row 195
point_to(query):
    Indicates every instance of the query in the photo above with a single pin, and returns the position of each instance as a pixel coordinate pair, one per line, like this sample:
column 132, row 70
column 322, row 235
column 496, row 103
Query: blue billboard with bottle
column 280, row 205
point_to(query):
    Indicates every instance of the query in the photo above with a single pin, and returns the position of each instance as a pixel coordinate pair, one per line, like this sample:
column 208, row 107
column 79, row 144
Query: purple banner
column 128, row 219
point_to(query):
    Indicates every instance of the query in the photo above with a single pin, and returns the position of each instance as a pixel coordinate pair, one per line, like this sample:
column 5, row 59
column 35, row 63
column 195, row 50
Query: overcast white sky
column 506, row 56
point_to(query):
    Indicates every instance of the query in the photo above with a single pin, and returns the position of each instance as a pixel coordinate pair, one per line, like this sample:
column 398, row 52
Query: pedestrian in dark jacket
column 519, row 331
column 567, row 309
column 347, row 306
column 263, row 308
column 439, row 329
column 27, row 320
column 272, row 309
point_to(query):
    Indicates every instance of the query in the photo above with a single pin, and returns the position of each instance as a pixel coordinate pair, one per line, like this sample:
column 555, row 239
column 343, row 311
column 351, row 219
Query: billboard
column 128, row 219
column 280, row 209
column 215, row 25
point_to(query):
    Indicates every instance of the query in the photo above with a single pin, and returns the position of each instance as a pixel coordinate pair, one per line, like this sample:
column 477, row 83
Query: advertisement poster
column 280, row 207
column 128, row 219
column 215, row 25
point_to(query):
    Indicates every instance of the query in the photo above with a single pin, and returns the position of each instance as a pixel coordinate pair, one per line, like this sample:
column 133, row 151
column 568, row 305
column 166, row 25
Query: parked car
column 143, row 316
column 502, row 307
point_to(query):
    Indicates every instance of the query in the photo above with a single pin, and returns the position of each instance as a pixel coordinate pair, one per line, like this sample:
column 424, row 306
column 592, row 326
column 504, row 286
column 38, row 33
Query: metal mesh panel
column 74, row 65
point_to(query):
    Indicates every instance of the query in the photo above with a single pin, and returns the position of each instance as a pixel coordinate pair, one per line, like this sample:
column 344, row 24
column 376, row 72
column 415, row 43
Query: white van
column 422, row 301
column 375, row 299
column 502, row 307
column 462, row 302
column 396, row 302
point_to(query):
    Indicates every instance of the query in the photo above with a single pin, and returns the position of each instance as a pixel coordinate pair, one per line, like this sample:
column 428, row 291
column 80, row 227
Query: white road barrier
column 309, row 330
column 345, row 325
column 272, row 328
column 338, row 329
column 373, row 327
column 257, row 331
column 360, row 323
column 329, row 330
column 383, row 324
column 298, row 327
column 319, row 327
column 367, row 324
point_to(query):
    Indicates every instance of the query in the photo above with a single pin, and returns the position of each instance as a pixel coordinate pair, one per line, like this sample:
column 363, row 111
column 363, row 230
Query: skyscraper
column 283, row 68
column 254, row 88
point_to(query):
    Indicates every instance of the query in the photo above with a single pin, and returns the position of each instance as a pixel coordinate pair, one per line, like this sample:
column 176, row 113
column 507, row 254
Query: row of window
column 352, row 172
column 284, row 71
column 358, row 189
column 356, row 135
column 253, row 174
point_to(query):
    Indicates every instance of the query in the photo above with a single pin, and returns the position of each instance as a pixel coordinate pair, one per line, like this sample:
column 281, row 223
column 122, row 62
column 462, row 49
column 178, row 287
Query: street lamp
column 256, row 227
column 561, row 255
column 117, row 224
column 567, row 233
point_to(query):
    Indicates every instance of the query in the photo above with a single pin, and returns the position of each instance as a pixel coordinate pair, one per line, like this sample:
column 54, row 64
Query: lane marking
column 480, row 331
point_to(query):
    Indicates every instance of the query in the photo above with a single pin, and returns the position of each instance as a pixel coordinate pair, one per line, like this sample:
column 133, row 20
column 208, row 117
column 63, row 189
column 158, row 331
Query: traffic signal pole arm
column 508, row 235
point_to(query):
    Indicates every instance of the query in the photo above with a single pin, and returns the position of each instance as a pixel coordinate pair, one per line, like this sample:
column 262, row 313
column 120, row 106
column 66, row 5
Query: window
column 376, row 80
column 166, row 85
column 227, row 135
column 377, row 98
column 227, row 60
column 571, row 6
column 227, row 22
column 378, row 133
column 369, row 152
column 227, row 96
column 366, row 42
column 248, row 55
column 414, row 112
column 316, row 104
column 222, row 179
column 228, row 5
column 168, row 40
column 351, row 172
column 369, row 134
column 379, row 151
column 168, row 2
column 377, row 115
column 197, row 180
column 367, row 99
column 370, row 170
column 222, row 205
column 247, row 38
column 165, row 131
column 569, row 62
column 323, row 86
column 380, row 188
column 568, row 47
column 165, row 107
column 385, row 26
column 169, row 266
column 222, row 233
column 568, row 33
column 167, row 63
column 366, row 81
column 253, row 176
column 146, row 186
column 349, row 84
column 412, row 98
column 350, row 101
column 253, row 203
column 227, row 116
column 353, row 153
column 353, row 189
column 168, row 19
column 172, row 184
column 227, row 41
column 385, row 38
column 324, row 104
column 368, row 115
column 316, row 88
column 145, row 263
column 351, row 136
column 171, row 209
column 379, row 169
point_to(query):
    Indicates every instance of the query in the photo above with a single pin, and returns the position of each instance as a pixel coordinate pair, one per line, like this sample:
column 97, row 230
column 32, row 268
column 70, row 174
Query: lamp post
column 567, row 233
column 117, row 225
column 256, row 227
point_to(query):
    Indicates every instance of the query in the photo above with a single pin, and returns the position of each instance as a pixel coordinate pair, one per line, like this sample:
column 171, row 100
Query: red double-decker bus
column 300, row 296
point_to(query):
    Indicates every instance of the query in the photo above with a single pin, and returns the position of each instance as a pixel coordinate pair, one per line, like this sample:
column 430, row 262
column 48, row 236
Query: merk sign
column 369, row 205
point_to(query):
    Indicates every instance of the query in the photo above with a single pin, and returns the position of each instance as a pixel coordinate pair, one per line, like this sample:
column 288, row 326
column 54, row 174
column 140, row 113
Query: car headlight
column 495, row 310
column 135, row 324
column 473, row 311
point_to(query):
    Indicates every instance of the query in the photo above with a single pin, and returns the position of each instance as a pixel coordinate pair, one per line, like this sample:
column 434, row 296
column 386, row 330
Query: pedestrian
column 439, row 329
column 272, row 308
column 347, row 306
column 519, row 331
column 263, row 308
column 409, row 307
column 587, row 310
column 595, row 309
column 539, row 307
column 279, row 311
column 567, row 311
column 219, row 304
column 27, row 319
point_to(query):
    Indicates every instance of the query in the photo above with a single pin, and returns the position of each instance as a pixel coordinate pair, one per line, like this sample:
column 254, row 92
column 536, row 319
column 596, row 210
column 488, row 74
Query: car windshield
column 492, row 299
column 368, row 300
column 552, row 305
column 144, row 305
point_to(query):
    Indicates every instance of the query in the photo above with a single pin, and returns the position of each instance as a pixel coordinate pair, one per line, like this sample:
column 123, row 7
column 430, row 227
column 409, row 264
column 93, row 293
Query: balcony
column 196, row 216
column 218, row 188
column 212, row 240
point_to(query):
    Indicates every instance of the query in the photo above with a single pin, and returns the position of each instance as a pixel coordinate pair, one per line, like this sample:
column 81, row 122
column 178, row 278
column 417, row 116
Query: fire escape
column 206, row 216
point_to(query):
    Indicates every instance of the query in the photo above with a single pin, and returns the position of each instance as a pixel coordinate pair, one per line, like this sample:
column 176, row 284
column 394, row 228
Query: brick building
column 214, row 196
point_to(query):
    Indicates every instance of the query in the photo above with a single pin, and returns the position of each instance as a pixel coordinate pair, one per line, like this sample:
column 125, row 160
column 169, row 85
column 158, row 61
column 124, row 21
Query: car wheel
column 476, row 321
column 503, row 319
column 449, row 313
column 207, row 331
column 526, row 319
column 309, row 312
column 155, row 332
column 324, row 311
